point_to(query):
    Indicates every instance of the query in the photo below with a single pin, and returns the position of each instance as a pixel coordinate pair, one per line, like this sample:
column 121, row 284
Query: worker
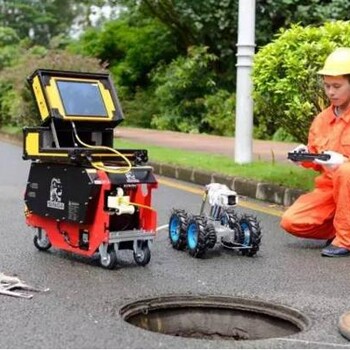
column 324, row 213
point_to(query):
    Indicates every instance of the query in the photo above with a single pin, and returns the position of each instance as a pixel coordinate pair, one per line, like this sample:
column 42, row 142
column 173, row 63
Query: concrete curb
column 244, row 187
column 12, row 138
column 344, row 325
column 271, row 193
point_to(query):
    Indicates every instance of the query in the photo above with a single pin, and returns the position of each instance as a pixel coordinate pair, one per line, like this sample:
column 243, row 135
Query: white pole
column 244, row 101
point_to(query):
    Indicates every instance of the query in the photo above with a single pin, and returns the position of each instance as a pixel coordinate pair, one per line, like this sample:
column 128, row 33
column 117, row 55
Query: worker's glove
column 333, row 162
column 300, row 148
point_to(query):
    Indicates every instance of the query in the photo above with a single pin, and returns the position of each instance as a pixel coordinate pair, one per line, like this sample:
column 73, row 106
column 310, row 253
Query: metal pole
column 244, row 101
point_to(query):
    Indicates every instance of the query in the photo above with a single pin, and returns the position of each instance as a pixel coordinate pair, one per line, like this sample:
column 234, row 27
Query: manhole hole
column 214, row 317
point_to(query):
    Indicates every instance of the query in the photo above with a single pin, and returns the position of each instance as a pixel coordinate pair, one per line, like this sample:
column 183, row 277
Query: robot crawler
column 82, row 195
column 200, row 232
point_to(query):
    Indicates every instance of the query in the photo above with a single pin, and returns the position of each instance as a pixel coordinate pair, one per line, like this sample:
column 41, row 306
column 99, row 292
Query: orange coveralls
column 325, row 212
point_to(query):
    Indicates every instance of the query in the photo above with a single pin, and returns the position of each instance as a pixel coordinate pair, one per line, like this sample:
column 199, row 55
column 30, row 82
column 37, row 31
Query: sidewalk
column 262, row 150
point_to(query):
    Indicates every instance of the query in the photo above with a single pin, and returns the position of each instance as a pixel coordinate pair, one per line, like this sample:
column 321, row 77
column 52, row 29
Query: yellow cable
column 104, row 168
column 142, row 206
column 122, row 170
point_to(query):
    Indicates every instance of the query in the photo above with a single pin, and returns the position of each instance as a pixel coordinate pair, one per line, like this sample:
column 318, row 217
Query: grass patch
column 276, row 173
column 13, row 130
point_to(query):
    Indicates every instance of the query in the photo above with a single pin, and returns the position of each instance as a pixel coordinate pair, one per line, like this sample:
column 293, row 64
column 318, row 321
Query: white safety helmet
column 337, row 63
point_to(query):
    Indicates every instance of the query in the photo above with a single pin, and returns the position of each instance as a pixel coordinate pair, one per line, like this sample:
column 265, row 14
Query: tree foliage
column 135, row 46
column 130, row 51
column 9, row 46
column 180, row 90
column 214, row 23
column 42, row 20
column 209, row 23
column 272, row 15
column 155, row 52
column 288, row 93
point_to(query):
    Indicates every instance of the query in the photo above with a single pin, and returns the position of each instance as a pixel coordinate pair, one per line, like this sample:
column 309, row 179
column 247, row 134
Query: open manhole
column 214, row 317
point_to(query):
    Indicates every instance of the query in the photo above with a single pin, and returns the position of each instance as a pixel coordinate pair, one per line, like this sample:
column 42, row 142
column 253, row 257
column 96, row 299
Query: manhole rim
column 172, row 301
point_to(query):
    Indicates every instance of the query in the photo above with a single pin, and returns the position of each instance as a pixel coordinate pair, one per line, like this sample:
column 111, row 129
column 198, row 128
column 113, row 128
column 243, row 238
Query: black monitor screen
column 81, row 98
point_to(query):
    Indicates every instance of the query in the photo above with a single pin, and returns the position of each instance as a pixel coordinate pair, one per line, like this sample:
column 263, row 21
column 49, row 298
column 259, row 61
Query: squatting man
column 324, row 213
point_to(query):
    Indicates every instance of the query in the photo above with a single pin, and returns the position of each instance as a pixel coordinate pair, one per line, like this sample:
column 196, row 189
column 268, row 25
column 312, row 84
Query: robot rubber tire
column 197, row 236
column 177, row 229
column 252, row 233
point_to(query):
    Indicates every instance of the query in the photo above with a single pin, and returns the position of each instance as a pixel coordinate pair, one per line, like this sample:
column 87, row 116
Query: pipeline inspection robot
column 198, row 233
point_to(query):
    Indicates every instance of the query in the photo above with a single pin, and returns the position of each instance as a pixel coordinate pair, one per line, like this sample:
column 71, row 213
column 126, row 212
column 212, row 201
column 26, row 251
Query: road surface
column 81, row 310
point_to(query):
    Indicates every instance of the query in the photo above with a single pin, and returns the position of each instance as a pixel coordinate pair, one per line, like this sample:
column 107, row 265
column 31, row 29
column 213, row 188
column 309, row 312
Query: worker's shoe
column 334, row 251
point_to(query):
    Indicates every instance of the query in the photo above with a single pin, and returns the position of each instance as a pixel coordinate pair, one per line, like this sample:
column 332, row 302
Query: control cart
column 82, row 195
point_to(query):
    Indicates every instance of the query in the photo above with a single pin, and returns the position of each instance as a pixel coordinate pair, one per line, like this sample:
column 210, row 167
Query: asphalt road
column 81, row 310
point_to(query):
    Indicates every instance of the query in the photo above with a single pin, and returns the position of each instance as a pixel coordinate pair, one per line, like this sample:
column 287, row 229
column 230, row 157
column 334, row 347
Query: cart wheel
column 252, row 234
column 111, row 259
column 196, row 236
column 236, row 237
column 177, row 229
column 41, row 241
column 143, row 255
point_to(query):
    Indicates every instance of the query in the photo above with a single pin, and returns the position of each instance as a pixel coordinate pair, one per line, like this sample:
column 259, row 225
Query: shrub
column 287, row 90
column 181, row 88
column 9, row 46
column 131, row 50
column 219, row 113
column 282, row 135
column 139, row 108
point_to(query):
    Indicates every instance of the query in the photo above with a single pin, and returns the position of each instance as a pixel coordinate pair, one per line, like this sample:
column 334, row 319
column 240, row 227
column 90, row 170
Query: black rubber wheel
column 252, row 234
column 41, row 242
column 236, row 237
column 177, row 229
column 111, row 260
column 211, row 237
column 143, row 256
column 197, row 236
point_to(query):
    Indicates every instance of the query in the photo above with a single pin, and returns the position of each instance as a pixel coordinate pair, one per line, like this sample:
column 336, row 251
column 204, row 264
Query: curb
column 344, row 325
column 12, row 138
column 263, row 191
column 244, row 187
